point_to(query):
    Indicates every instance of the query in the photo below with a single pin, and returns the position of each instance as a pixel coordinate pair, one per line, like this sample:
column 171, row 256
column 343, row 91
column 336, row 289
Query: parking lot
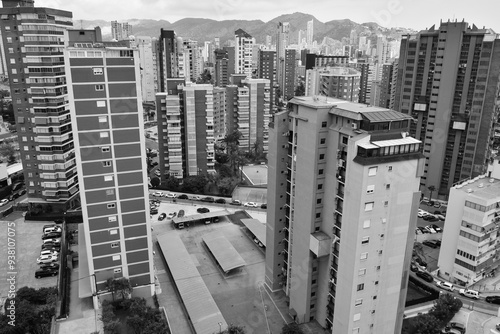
column 27, row 239
column 240, row 296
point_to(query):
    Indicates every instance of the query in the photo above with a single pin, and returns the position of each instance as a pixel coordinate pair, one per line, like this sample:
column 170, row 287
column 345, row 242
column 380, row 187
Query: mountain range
column 206, row 29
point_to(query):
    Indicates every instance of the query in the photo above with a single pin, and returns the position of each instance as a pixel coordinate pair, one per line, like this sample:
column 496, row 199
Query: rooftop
column 481, row 187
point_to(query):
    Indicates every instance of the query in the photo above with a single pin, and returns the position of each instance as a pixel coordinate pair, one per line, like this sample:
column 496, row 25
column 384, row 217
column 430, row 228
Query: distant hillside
column 206, row 29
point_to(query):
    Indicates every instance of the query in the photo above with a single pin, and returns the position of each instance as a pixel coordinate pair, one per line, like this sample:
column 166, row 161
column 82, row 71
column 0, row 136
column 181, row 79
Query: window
column 369, row 206
column 117, row 270
column 390, row 168
column 386, row 203
column 111, row 219
column 366, row 224
column 387, row 186
column 363, row 256
column 103, row 119
column 318, row 214
column 324, row 124
column 322, row 140
column 111, row 205
column 12, row 61
column 318, row 201
column 320, row 186
column 355, row 330
column 104, row 134
column 99, row 88
column 105, row 149
column 9, row 39
column 376, row 282
column 377, row 268
column 101, row 104
column 361, row 287
column 365, row 240
column 106, row 164
column 110, row 192
column 321, row 156
column 358, row 302
column 320, row 172
column 372, row 171
column 97, row 70
column 370, row 189
column 116, row 257
column 362, row 272
column 11, row 50
column 108, row 177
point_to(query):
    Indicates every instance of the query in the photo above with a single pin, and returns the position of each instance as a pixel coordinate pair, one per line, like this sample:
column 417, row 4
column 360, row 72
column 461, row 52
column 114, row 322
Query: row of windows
column 482, row 208
column 466, row 255
column 473, row 226
column 465, row 265
column 473, row 237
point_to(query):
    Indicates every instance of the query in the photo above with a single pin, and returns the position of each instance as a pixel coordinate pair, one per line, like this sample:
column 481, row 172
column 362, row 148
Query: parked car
column 13, row 196
column 423, row 230
column 52, row 228
column 418, row 231
column 45, row 272
column 436, row 228
column 170, row 195
column 413, row 267
column 430, row 229
column 180, row 214
column 48, row 252
column 431, row 243
column 425, row 276
column 431, row 218
column 51, row 235
column 251, row 205
column 420, row 262
column 457, row 326
column 220, row 201
column 4, row 202
column 153, row 211
column 183, row 196
column 235, row 202
column 171, row 215
column 469, row 293
column 493, row 299
column 202, row 210
column 55, row 241
column 195, row 198
column 51, row 247
column 440, row 217
column 162, row 216
column 157, row 172
column 53, row 265
column 46, row 259
column 445, row 285
column 208, row 199
column 22, row 192
column 263, row 206
column 437, row 205
column 158, row 194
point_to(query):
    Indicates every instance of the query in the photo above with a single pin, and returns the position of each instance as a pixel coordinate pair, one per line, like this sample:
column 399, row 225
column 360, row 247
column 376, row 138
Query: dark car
column 431, row 218
column 22, row 192
column 59, row 221
column 162, row 216
column 13, row 196
column 493, row 299
column 45, row 272
column 51, row 235
column 220, row 201
column 457, row 326
column 153, row 211
column 49, row 266
column 425, row 276
column 183, row 196
column 413, row 268
column 431, row 243
column 202, row 210
column 51, row 246
column 420, row 262
column 263, row 206
column 235, row 202
column 208, row 199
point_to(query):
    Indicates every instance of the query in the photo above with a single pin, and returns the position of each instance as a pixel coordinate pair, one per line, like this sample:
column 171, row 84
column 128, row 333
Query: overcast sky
column 388, row 13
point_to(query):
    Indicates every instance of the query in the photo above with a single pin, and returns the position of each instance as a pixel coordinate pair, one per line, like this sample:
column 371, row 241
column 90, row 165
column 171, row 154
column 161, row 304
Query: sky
column 413, row 14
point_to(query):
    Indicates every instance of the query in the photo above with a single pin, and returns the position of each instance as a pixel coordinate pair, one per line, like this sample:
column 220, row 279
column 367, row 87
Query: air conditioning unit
column 354, row 125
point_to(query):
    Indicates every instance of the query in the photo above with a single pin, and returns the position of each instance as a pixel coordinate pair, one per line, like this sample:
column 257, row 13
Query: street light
column 220, row 327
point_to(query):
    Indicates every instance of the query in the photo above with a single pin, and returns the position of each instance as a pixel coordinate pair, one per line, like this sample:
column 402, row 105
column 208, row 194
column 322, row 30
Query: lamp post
column 220, row 327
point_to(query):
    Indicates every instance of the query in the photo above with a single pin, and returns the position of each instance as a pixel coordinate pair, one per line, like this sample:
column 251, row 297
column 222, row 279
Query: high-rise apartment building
column 224, row 66
column 120, row 31
column 385, row 86
column 267, row 70
column 313, row 60
column 192, row 60
column 186, row 128
column 105, row 101
column 244, row 43
column 288, row 78
column 310, row 33
column 343, row 193
column 338, row 82
column 448, row 80
column 147, row 61
column 282, row 41
column 366, row 79
column 470, row 249
column 169, row 49
column 33, row 40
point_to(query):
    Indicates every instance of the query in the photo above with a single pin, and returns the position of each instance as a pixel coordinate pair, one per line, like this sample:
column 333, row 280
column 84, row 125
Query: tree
column 232, row 329
column 155, row 182
column 172, row 183
column 431, row 190
column 194, row 184
column 300, row 90
column 205, row 77
column 8, row 151
column 121, row 286
column 425, row 324
column 445, row 307
column 225, row 185
column 257, row 149
column 291, row 328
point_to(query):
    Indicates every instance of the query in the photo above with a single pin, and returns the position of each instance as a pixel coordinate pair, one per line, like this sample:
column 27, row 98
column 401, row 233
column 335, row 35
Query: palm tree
column 431, row 189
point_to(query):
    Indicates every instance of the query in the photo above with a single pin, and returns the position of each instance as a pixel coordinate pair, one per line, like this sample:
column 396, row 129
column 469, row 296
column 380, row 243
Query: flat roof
column 482, row 187
column 223, row 251
column 188, row 219
column 201, row 307
column 257, row 228
column 391, row 142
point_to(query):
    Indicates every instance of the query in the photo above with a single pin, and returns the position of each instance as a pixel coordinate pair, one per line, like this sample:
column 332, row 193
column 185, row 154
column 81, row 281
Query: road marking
column 265, row 308
column 261, row 284
column 484, row 322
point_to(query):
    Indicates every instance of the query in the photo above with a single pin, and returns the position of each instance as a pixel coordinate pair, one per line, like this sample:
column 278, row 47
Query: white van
column 469, row 293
